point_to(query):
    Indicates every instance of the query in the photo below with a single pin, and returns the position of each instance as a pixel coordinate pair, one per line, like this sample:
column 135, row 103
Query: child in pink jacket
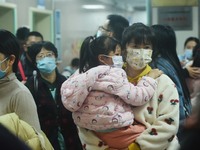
column 100, row 96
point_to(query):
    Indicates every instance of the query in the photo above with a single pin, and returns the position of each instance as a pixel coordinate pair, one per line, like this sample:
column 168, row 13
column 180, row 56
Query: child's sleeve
column 74, row 91
column 77, row 87
column 140, row 94
column 116, row 83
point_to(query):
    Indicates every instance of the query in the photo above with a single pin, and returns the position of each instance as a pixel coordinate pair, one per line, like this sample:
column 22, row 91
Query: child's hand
column 154, row 73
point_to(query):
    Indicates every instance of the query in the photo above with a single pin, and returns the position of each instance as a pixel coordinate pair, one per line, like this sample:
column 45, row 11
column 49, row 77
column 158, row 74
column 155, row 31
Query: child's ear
column 101, row 59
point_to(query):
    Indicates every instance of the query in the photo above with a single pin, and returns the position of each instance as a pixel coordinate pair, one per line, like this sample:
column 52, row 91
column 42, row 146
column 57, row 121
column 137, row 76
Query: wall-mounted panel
column 179, row 18
column 42, row 21
column 8, row 18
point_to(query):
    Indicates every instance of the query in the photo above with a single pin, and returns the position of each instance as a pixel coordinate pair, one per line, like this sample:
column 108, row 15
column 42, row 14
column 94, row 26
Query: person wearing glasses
column 45, row 84
column 113, row 26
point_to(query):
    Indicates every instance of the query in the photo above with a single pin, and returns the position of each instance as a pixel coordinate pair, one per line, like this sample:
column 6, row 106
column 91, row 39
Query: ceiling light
column 93, row 6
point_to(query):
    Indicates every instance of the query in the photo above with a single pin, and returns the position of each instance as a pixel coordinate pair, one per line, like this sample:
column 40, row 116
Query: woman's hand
column 194, row 72
column 154, row 73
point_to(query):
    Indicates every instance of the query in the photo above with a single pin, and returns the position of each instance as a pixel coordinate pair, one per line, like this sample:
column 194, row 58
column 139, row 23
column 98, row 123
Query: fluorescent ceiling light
column 93, row 6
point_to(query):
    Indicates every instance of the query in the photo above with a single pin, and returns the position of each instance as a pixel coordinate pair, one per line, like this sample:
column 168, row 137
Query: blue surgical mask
column 188, row 54
column 3, row 72
column 117, row 61
column 46, row 65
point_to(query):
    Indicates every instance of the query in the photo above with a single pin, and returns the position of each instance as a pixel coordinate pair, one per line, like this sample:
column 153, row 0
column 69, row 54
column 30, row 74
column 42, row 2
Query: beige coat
column 34, row 139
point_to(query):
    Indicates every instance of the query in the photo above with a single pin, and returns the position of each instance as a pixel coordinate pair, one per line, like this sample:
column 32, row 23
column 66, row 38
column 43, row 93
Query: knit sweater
column 15, row 97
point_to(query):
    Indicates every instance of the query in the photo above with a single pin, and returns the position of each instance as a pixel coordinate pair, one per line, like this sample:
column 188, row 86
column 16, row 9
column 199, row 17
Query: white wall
column 76, row 23
column 23, row 9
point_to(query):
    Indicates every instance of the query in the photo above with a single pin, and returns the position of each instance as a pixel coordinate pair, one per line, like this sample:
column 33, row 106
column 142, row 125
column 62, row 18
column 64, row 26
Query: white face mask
column 117, row 61
column 138, row 58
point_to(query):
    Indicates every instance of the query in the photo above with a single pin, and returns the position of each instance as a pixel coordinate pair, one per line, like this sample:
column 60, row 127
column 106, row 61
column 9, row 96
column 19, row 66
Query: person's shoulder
column 99, row 69
column 164, row 77
column 166, row 86
column 23, row 88
column 164, row 80
column 19, row 91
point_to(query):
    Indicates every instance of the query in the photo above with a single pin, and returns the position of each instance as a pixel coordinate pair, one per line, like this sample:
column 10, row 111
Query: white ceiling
column 129, row 5
column 125, row 5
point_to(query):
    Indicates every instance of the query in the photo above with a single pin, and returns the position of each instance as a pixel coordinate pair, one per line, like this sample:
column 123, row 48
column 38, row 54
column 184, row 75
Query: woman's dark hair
column 34, row 49
column 9, row 46
column 139, row 33
column 165, row 46
column 196, row 40
column 92, row 47
column 196, row 56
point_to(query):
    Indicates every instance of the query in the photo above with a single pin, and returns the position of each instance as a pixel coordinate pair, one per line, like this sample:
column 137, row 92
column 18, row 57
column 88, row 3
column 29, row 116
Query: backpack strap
column 35, row 81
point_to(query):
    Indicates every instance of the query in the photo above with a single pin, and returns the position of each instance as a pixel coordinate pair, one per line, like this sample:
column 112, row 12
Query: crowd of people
column 128, row 90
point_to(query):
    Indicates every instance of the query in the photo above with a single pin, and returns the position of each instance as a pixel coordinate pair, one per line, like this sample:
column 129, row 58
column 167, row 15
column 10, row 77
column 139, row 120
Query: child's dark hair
column 196, row 56
column 92, row 47
column 138, row 32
